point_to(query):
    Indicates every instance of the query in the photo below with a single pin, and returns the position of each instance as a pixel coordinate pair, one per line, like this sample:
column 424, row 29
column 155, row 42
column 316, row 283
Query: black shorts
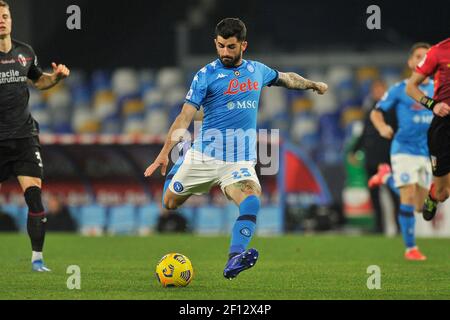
column 21, row 157
column 439, row 145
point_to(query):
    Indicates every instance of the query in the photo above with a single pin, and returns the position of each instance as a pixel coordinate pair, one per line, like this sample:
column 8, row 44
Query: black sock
column 36, row 231
column 36, row 218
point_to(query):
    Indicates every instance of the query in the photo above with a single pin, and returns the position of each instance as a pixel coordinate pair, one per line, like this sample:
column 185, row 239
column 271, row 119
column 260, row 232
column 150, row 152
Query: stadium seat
column 273, row 102
column 153, row 99
column 190, row 214
column 59, row 106
column 133, row 125
column 323, row 103
column 11, row 209
column 364, row 73
column 270, row 221
column 125, row 81
column 146, row 79
column 280, row 121
column 18, row 213
column 84, row 121
column 169, row 78
column 104, row 103
column 112, row 124
column 210, row 220
column 231, row 214
column 175, row 97
column 391, row 75
column 101, row 80
column 156, row 122
column 337, row 74
column 147, row 218
column 40, row 111
column 331, row 139
column 75, row 213
column 93, row 219
column 122, row 219
column 77, row 77
column 133, row 115
column 305, row 129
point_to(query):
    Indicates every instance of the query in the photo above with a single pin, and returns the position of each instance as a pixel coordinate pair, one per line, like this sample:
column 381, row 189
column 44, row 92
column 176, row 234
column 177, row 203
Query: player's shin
column 245, row 225
column 36, row 220
column 166, row 185
column 407, row 225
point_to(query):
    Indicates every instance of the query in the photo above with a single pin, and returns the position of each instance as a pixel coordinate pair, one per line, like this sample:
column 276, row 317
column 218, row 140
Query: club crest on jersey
column 22, row 60
column 235, row 87
column 237, row 73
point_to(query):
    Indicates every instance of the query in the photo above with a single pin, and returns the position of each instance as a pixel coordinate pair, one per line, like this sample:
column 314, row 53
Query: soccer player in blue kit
column 410, row 162
column 224, row 152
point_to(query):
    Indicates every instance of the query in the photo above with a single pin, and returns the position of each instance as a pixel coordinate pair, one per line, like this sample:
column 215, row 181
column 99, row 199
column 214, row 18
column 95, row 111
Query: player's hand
column 161, row 161
column 320, row 87
column 60, row 71
column 441, row 109
column 386, row 132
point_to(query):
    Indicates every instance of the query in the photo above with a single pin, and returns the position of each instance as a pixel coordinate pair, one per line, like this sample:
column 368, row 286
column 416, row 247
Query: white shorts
column 198, row 173
column 408, row 169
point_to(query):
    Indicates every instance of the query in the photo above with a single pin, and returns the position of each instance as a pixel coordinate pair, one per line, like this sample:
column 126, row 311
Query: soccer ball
column 174, row 270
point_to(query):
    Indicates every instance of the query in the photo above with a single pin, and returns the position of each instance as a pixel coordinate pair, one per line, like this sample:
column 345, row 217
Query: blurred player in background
column 19, row 143
column 411, row 166
column 437, row 63
column 376, row 150
column 229, row 89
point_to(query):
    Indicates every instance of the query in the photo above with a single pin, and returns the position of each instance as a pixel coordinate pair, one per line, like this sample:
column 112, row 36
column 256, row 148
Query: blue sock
column 391, row 184
column 407, row 224
column 245, row 225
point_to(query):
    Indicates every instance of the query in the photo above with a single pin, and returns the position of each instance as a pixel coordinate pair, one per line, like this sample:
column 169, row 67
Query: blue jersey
column 413, row 119
column 230, row 100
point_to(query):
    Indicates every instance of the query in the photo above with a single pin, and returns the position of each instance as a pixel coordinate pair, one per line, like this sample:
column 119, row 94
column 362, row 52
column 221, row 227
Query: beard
column 229, row 61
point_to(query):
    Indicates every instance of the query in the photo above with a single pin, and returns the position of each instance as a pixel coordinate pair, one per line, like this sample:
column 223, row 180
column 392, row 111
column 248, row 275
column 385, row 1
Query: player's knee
column 33, row 199
column 251, row 188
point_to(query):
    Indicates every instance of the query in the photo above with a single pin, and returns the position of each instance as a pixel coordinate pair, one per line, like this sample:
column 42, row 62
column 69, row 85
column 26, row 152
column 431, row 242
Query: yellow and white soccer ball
column 174, row 270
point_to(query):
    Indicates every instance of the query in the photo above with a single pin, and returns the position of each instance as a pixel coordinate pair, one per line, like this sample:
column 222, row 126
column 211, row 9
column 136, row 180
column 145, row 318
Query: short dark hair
column 231, row 27
column 418, row 45
column 4, row 4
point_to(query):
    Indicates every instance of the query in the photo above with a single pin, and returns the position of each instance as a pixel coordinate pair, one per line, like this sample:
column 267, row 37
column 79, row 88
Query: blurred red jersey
column 437, row 63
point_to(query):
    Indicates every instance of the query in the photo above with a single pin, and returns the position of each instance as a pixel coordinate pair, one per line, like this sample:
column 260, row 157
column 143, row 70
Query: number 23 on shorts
column 243, row 173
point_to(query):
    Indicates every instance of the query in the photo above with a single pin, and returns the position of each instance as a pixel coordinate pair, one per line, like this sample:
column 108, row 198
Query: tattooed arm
column 291, row 80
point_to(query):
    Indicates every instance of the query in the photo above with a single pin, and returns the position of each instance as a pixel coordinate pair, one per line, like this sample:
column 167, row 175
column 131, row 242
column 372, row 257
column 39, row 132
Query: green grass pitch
column 289, row 268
